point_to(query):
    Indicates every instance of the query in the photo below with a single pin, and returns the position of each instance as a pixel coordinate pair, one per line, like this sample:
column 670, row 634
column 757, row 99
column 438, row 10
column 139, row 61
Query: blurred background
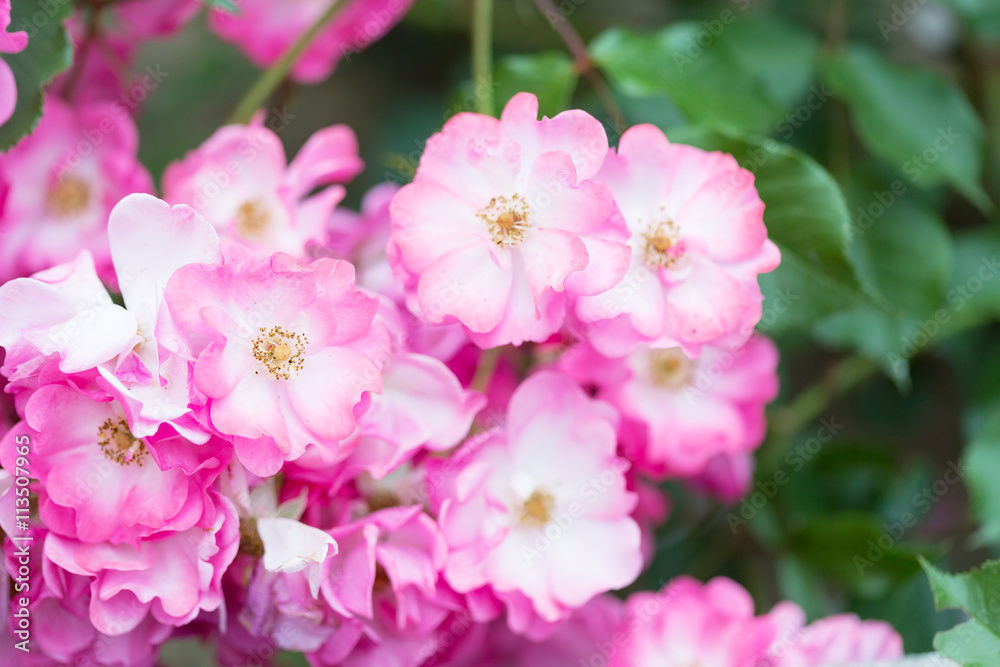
column 891, row 376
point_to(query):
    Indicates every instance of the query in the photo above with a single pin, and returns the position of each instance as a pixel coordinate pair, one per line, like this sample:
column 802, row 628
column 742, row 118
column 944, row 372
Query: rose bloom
column 698, row 243
column 524, row 501
column 265, row 30
column 61, row 183
column 242, row 183
column 502, row 223
column 63, row 318
column 284, row 351
column 170, row 576
column 99, row 481
column 681, row 413
column 689, row 623
column 149, row 19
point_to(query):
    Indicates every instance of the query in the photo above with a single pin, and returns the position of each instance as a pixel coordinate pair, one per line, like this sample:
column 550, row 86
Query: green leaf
column 975, row 643
column 906, row 254
column 550, row 75
column 49, row 52
column 974, row 294
column 914, row 119
column 709, row 83
column 968, row 644
column 860, row 550
column 798, row 294
column 807, row 218
column 876, row 334
column 886, row 252
column 780, row 53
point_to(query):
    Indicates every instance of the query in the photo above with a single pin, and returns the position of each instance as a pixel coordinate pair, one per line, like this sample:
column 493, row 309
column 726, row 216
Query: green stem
column 785, row 422
column 272, row 78
column 482, row 53
column 813, row 400
column 484, row 371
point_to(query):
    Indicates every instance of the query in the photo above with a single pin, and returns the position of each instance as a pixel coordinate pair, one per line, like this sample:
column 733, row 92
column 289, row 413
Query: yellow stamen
column 506, row 219
column 68, row 198
column 252, row 219
column 119, row 445
column 670, row 368
column 280, row 351
column 537, row 509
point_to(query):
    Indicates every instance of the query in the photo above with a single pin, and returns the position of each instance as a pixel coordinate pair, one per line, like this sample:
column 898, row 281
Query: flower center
column 252, row 219
column 282, row 352
column 670, row 368
column 119, row 445
column 660, row 245
column 537, row 509
column 68, row 198
column 506, row 219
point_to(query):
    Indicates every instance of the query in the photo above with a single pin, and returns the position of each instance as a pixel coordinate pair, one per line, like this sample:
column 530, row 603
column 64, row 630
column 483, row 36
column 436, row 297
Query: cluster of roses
column 425, row 433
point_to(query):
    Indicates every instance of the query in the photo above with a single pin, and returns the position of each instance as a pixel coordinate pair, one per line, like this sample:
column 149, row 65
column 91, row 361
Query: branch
column 583, row 62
